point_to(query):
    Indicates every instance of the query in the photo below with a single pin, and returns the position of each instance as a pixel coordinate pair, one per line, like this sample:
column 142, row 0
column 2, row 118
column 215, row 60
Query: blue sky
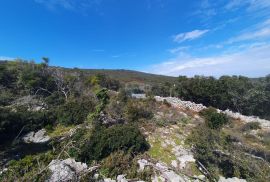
column 170, row 37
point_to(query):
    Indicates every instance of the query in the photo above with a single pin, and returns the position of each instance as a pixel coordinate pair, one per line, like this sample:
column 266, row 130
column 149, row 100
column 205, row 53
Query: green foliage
column 214, row 120
column 74, row 111
column 120, row 162
column 27, row 169
column 103, row 81
column 221, row 157
column 11, row 122
column 116, row 163
column 36, row 78
column 7, row 76
column 136, row 111
column 163, row 89
column 251, row 126
column 104, row 141
column 103, row 98
column 237, row 93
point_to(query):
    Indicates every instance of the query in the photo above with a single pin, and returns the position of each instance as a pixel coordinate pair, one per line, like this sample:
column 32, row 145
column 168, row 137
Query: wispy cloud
column 259, row 34
column 254, row 61
column 195, row 34
column 72, row 5
column 178, row 49
column 258, row 6
column 6, row 58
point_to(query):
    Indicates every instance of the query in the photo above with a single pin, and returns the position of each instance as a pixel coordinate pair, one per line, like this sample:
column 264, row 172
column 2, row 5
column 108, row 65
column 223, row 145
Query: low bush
column 116, row 163
column 28, row 168
column 104, row 141
column 136, row 111
column 214, row 120
column 217, row 152
column 251, row 126
column 74, row 112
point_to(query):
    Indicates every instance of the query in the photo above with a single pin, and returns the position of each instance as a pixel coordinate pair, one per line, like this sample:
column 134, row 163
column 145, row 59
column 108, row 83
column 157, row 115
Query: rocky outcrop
column 264, row 123
column 36, row 137
column 165, row 174
column 66, row 170
column 138, row 96
column 31, row 102
column 234, row 179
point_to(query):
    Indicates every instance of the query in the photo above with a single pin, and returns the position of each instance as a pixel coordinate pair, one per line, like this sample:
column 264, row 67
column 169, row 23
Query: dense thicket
column 237, row 93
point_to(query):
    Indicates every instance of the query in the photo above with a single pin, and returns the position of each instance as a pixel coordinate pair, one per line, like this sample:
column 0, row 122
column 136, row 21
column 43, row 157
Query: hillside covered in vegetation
column 60, row 124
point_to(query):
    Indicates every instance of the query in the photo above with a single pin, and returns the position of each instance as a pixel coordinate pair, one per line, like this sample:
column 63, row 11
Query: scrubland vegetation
column 94, row 119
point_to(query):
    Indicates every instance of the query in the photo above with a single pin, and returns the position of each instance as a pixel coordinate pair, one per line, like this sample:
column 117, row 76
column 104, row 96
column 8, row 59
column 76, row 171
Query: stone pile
column 175, row 102
column 264, row 123
column 182, row 104
column 234, row 179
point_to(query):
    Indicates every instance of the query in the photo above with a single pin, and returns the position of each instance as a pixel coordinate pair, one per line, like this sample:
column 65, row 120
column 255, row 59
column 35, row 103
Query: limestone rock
column 66, row 170
column 142, row 163
column 121, row 178
column 36, row 137
column 234, row 179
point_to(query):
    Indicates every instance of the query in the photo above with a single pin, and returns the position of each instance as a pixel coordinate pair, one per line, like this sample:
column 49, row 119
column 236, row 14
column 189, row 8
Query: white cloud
column 254, row 61
column 181, row 37
column 259, row 34
column 6, row 58
column 178, row 49
column 250, row 5
column 234, row 4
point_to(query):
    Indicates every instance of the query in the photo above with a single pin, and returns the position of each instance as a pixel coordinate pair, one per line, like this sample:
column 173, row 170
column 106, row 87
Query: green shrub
column 251, row 126
column 104, row 141
column 214, row 120
column 116, row 163
column 218, row 153
column 11, row 122
column 74, row 112
column 121, row 163
column 136, row 111
column 28, row 168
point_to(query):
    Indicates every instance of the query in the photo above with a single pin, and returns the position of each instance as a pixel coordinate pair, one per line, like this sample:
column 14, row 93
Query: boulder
column 66, row 170
column 36, row 137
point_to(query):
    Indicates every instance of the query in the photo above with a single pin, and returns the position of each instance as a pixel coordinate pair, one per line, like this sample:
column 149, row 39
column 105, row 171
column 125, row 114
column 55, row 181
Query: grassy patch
column 161, row 153
column 59, row 130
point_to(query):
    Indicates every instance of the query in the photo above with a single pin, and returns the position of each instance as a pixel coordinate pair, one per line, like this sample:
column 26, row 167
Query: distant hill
column 127, row 76
column 124, row 76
